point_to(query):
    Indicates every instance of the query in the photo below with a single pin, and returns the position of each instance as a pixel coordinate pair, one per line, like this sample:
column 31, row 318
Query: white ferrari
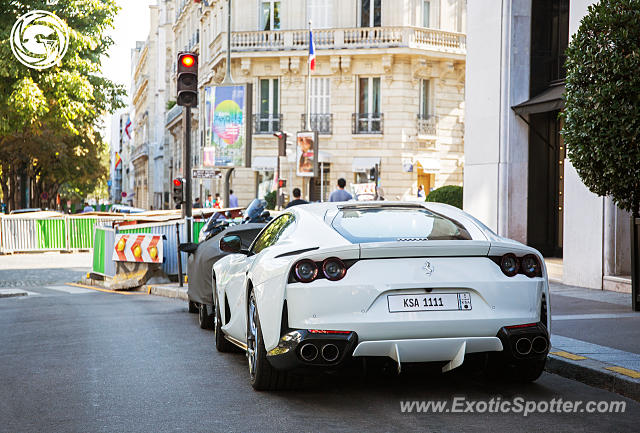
column 328, row 283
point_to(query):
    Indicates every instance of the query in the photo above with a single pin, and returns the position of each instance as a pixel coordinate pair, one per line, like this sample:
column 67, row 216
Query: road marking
column 626, row 371
column 105, row 290
column 593, row 316
column 68, row 289
column 568, row 355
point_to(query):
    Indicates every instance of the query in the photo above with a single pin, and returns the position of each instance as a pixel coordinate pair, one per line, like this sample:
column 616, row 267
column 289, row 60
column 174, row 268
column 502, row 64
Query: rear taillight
column 333, row 269
column 530, row 265
column 306, row 271
column 509, row 264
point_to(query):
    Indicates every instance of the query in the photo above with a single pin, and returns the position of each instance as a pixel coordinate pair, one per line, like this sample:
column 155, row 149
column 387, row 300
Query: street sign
column 124, row 194
column 145, row 248
column 44, row 196
column 205, row 173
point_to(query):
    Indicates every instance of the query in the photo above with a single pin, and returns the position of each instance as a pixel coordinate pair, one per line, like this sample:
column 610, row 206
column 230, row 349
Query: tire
column 193, row 307
column 261, row 373
column 222, row 344
column 204, row 319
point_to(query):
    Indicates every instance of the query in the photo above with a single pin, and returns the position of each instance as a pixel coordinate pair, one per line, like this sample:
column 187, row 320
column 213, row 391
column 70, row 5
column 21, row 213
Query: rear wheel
column 222, row 344
column 263, row 376
column 193, row 307
column 204, row 319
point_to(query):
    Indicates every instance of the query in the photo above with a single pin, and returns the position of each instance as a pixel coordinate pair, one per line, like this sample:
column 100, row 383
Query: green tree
column 602, row 101
column 50, row 119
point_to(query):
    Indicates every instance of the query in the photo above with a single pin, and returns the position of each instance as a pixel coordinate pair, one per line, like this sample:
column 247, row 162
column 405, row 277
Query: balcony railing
column 266, row 123
column 427, row 124
column 140, row 152
column 323, row 123
column 367, row 123
column 349, row 38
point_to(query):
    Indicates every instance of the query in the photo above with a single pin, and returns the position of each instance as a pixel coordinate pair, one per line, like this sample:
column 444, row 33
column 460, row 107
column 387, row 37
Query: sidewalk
column 595, row 338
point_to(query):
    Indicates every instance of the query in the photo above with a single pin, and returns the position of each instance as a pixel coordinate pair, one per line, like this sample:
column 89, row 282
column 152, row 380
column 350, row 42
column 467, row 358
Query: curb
column 12, row 293
column 593, row 373
column 167, row 292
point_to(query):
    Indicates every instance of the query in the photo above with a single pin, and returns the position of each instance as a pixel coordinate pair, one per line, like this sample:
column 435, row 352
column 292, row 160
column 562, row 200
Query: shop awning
column 264, row 163
column 549, row 100
column 428, row 165
column 364, row 164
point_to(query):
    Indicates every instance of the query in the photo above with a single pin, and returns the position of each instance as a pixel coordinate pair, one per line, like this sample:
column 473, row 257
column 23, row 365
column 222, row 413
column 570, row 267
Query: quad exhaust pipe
column 525, row 346
column 539, row 344
column 330, row 352
column 308, row 352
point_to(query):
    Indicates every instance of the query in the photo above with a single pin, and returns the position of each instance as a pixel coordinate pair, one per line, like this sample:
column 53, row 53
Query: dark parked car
column 202, row 256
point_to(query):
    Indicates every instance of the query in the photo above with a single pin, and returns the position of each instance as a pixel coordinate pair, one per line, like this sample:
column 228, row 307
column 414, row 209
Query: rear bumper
column 287, row 354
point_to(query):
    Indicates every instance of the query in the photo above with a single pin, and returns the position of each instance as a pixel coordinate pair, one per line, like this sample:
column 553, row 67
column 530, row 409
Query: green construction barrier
column 81, row 233
column 51, row 234
column 197, row 227
column 98, row 251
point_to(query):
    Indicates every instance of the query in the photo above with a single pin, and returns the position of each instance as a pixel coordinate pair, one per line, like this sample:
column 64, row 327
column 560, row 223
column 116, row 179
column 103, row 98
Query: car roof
column 326, row 210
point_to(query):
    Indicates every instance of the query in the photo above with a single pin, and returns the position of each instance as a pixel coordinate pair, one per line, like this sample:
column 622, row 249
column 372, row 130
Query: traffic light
column 282, row 142
column 187, row 79
column 178, row 190
column 282, row 183
column 373, row 173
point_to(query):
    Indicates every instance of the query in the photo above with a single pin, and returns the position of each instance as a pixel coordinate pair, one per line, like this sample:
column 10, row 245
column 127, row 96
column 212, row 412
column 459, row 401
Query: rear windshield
column 396, row 224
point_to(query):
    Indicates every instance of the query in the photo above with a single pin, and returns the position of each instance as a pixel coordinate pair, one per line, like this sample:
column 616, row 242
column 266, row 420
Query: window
column 270, row 15
column 320, row 119
column 272, row 233
column 425, row 101
column 269, row 117
column 320, row 13
column 370, row 13
column 426, row 13
column 368, row 119
column 393, row 224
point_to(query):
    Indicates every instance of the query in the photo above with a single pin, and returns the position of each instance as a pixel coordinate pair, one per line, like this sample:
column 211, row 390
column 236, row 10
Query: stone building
column 388, row 89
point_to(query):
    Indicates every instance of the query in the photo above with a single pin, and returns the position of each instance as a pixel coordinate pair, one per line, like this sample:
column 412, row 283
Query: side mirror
column 188, row 247
column 231, row 244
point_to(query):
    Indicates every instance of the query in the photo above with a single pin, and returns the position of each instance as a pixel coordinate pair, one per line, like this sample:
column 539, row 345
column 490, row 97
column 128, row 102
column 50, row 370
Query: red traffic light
column 177, row 182
column 282, row 183
column 188, row 61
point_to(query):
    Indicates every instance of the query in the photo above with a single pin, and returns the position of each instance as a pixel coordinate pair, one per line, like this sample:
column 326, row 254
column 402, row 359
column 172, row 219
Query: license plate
column 429, row 302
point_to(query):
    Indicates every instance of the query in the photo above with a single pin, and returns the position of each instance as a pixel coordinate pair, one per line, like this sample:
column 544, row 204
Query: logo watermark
column 39, row 39
column 518, row 405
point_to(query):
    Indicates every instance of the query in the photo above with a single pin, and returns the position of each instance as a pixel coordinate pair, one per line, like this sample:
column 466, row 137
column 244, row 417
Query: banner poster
column 225, row 126
column 306, row 154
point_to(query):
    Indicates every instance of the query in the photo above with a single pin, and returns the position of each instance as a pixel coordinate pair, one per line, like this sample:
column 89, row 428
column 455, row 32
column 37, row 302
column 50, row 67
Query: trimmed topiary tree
column 449, row 194
column 602, row 105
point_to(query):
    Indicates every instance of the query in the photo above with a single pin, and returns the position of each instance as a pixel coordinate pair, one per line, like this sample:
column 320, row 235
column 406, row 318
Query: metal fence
column 62, row 233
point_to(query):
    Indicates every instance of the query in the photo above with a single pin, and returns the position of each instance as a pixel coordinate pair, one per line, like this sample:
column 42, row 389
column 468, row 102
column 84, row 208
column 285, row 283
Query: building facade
column 149, row 99
column 387, row 92
column 518, row 179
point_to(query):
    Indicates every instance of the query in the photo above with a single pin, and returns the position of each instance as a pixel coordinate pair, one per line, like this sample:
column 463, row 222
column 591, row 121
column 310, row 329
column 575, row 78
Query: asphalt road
column 92, row 361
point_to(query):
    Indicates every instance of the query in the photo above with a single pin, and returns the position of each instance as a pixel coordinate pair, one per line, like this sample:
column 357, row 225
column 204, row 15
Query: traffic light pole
column 186, row 159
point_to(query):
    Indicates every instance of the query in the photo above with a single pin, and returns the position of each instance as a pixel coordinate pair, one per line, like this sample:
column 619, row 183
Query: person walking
column 340, row 194
column 218, row 202
column 87, row 208
column 197, row 204
column 296, row 198
column 233, row 199
column 420, row 191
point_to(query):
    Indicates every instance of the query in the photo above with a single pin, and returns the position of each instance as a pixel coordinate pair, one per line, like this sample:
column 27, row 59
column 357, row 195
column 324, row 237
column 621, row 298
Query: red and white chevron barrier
column 138, row 248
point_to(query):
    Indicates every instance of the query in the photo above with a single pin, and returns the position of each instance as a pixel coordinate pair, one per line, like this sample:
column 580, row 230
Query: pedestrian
column 296, row 198
column 218, row 202
column 233, row 200
column 420, row 191
column 87, row 208
column 340, row 194
column 209, row 201
column 197, row 204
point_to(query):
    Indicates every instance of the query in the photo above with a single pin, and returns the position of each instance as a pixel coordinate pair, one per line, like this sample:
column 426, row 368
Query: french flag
column 312, row 52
